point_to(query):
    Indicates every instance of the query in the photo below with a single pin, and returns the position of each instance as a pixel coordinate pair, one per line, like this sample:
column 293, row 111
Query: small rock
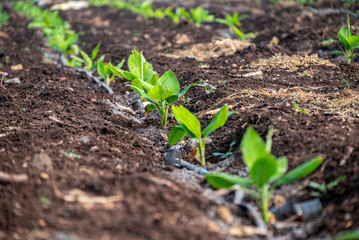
column 257, row 74
column 93, row 148
column 42, row 161
column 44, row 176
column 225, row 214
column 12, row 80
column 213, row 227
column 85, row 139
column 17, row 67
column 191, row 57
column 62, row 236
column 42, row 222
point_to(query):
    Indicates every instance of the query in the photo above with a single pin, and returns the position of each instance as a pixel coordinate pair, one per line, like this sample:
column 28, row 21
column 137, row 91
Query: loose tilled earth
column 119, row 157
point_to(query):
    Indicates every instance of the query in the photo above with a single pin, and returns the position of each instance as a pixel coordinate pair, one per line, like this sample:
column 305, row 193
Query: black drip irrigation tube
column 101, row 84
column 325, row 11
column 173, row 157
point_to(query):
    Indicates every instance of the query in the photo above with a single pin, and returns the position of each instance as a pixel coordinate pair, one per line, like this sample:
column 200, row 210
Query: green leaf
column 120, row 64
column 139, row 67
column 348, row 235
column 169, row 80
column 145, row 85
column 101, row 70
column 176, row 134
column 144, row 95
column 282, row 168
column 186, row 89
column 172, row 99
column 263, row 170
column 160, row 93
column 129, row 76
column 301, row 171
column 95, row 52
column 150, row 107
column 218, row 121
column 252, row 147
column 342, row 35
column 118, row 72
column 336, row 52
column 187, row 121
column 88, row 61
column 353, row 41
column 72, row 40
column 224, row 180
column 154, row 80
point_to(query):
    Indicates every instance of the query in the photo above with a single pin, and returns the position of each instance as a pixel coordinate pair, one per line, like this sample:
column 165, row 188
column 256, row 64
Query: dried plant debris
column 344, row 103
column 205, row 51
column 290, row 63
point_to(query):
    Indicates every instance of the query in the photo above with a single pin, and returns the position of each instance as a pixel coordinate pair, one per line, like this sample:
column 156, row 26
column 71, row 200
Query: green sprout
column 88, row 60
column 349, row 42
column 161, row 92
column 44, row 200
column 105, row 71
column 227, row 154
column 199, row 15
column 208, row 88
column 266, row 172
column 323, row 189
column 297, row 109
column 4, row 17
column 71, row 155
column 189, row 124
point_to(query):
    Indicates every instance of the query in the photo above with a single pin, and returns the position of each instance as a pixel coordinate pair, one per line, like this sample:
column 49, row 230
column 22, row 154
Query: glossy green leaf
column 252, row 147
column 187, row 121
column 145, row 86
column 263, row 169
column 154, row 80
column 177, row 133
column 224, row 180
column 353, row 41
column 160, row 93
column 101, row 70
column 301, row 171
column 168, row 79
column 95, row 52
column 187, row 88
column 118, row 72
column 342, row 35
column 281, row 170
column 139, row 67
column 218, row 121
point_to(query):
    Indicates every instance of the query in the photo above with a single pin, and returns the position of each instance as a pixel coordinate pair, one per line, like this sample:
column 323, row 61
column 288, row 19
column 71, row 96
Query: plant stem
column 201, row 149
column 264, row 203
column 164, row 114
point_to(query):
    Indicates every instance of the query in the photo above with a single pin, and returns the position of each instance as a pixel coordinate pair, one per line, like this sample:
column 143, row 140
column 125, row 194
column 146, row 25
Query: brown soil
column 58, row 111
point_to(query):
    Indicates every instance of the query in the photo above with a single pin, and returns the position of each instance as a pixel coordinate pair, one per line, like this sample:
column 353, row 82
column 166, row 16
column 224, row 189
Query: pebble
column 12, row 80
column 225, row 214
column 62, row 236
column 42, row 161
column 17, row 67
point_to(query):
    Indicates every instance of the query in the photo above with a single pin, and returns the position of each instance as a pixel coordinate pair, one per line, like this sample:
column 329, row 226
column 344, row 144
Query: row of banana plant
column 195, row 16
column 60, row 37
column 266, row 172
